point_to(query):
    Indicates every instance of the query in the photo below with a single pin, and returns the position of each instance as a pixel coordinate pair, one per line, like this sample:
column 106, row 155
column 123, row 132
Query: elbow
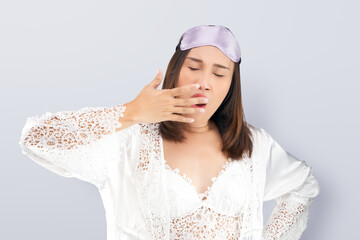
column 313, row 186
column 310, row 188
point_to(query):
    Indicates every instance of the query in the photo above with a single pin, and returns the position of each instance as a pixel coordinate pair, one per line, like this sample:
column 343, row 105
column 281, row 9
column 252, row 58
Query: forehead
column 210, row 55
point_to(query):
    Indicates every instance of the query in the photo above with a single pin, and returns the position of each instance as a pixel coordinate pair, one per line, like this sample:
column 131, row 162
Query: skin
column 200, row 157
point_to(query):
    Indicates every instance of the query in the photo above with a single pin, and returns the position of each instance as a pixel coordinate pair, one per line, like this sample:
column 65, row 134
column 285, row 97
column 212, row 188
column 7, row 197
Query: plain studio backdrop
column 300, row 82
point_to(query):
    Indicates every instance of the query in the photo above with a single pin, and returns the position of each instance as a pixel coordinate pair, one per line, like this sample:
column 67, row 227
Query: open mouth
column 202, row 105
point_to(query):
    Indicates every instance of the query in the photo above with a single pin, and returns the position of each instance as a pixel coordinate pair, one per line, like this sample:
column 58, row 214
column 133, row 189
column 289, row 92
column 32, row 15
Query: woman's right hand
column 156, row 105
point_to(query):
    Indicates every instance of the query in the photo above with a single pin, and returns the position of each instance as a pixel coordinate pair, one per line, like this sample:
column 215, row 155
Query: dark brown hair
column 229, row 117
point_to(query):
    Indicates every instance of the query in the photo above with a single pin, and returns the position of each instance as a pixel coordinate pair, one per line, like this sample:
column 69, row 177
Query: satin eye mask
column 215, row 35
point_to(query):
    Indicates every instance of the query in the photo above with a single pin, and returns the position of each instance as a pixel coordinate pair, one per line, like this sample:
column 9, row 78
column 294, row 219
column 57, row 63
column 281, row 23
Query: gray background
column 299, row 76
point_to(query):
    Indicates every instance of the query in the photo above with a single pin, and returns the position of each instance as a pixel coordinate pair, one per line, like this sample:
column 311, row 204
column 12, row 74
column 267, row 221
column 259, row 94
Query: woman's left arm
column 292, row 183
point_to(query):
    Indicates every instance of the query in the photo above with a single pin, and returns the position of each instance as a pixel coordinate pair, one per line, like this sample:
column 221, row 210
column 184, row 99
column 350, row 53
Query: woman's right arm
column 78, row 143
column 84, row 143
column 69, row 129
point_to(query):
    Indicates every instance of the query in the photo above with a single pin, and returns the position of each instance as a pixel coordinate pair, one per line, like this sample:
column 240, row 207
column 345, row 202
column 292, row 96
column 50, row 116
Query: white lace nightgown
column 145, row 199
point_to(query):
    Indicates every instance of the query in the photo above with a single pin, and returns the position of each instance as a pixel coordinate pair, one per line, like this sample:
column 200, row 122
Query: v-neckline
column 204, row 195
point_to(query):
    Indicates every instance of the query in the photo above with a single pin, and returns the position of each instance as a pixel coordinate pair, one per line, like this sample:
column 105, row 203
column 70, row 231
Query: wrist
column 130, row 113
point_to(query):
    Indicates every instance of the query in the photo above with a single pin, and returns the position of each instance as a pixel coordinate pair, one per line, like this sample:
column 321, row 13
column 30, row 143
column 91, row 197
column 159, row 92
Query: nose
column 203, row 81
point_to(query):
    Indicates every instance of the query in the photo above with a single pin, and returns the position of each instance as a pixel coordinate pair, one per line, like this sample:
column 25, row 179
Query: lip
column 199, row 95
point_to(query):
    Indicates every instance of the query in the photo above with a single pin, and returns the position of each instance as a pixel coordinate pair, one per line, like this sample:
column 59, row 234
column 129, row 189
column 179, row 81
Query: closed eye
column 195, row 69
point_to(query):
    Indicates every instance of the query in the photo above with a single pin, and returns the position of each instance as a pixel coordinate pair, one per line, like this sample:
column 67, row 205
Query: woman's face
column 213, row 70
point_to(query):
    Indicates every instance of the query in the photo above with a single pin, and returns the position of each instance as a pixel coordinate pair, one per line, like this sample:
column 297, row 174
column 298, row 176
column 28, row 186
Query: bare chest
column 198, row 160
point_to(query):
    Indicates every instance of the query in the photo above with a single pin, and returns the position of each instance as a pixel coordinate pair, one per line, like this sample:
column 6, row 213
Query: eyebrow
column 200, row 61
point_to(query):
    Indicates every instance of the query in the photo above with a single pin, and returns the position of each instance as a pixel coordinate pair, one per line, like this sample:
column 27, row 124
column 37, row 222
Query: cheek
column 221, row 90
column 184, row 78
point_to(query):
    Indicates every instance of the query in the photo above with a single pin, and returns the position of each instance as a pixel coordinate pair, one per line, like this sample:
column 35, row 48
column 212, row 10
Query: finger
column 179, row 118
column 190, row 101
column 184, row 89
column 187, row 110
column 157, row 80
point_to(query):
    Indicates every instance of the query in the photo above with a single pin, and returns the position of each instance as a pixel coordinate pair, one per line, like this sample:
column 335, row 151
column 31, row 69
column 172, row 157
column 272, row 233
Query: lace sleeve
column 76, row 143
column 292, row 183
column 289, row 218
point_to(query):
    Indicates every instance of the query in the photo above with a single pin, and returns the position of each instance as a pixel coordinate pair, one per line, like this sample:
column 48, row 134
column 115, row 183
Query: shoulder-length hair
column 229, row 117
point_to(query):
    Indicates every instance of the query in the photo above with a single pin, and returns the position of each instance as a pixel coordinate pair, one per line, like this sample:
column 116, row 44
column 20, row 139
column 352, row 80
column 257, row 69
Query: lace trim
column 150, row 184
column 69, row 129
column 60, row 141
column 288, row 219
column 152, row 194
column 207, row 223
column 202, row 196
column 204, row 223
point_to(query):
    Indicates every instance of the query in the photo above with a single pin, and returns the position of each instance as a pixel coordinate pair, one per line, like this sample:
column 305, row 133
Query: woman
column 163, row 176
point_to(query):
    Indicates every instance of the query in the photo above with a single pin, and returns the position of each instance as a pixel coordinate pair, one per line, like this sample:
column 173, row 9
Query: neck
column 201, row 128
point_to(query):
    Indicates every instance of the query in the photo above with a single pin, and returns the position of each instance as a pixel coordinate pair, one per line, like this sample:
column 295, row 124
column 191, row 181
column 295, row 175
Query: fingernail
column 157, row 71
column 197, row 85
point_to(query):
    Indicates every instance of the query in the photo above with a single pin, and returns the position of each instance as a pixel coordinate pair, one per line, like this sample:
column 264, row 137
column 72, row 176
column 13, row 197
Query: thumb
column 157, row 80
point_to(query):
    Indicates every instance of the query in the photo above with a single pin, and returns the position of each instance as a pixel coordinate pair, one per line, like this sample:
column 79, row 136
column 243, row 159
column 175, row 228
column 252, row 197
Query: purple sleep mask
column 215, row 35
